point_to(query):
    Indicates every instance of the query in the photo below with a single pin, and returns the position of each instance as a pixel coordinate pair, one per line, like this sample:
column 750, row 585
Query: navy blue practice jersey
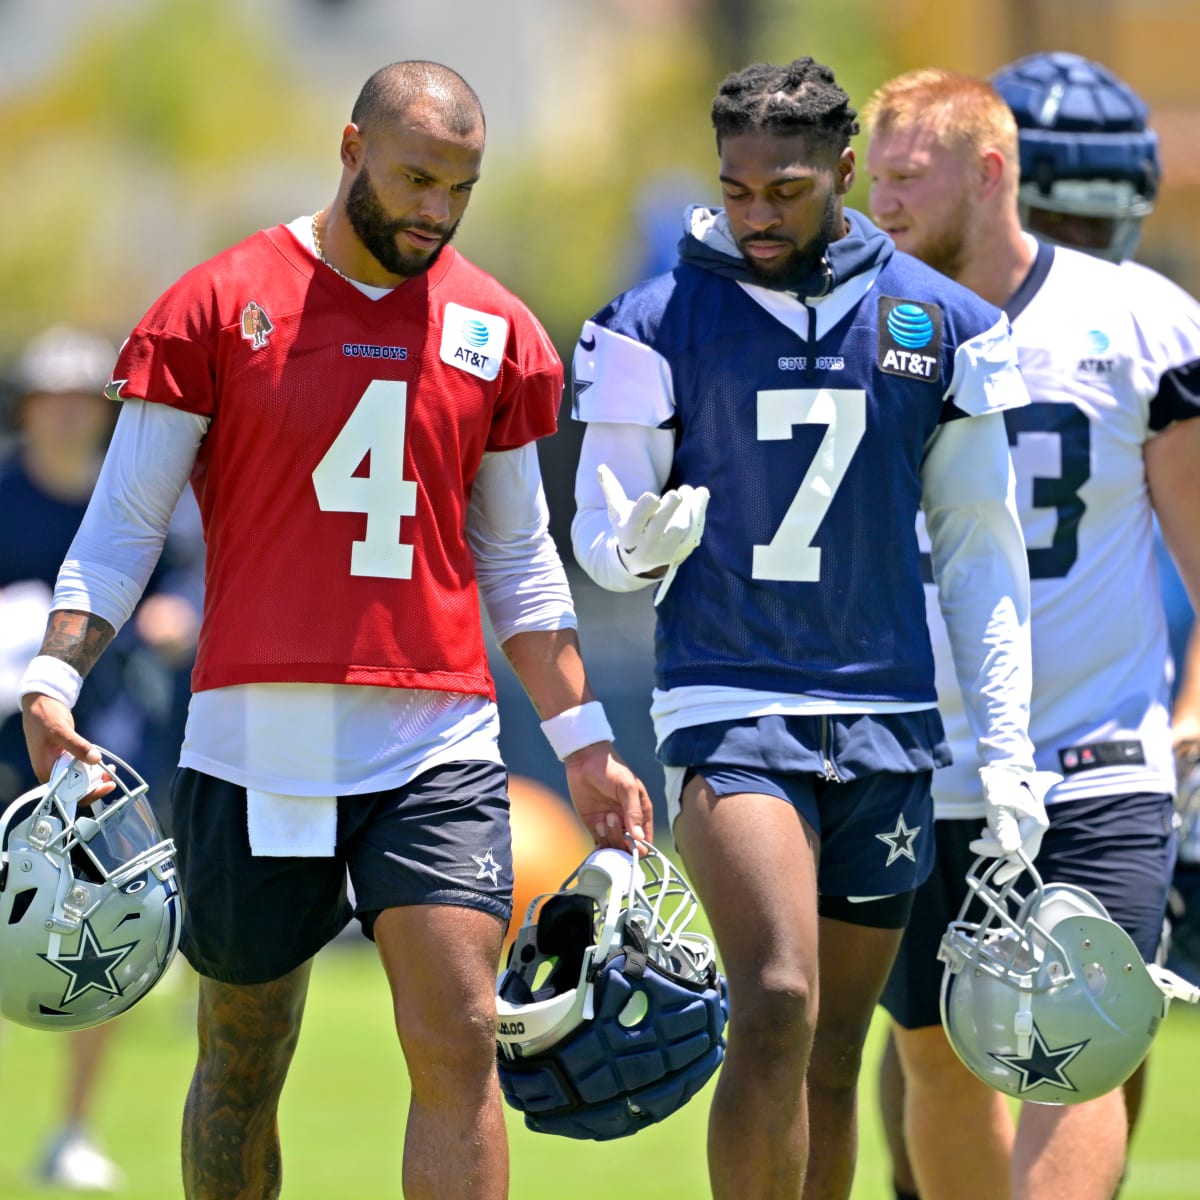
column 808, row 420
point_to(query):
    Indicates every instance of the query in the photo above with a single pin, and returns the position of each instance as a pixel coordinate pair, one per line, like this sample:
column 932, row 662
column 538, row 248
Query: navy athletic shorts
column 443, row 838
column 1120, row 848
column 875, row 820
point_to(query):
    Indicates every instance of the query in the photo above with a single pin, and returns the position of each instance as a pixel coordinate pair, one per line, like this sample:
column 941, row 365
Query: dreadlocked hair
column 801, row 98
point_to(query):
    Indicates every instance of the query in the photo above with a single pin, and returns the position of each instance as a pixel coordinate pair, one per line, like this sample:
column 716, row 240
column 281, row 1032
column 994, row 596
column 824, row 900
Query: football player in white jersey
column 1090, row 175
column 1107, row 442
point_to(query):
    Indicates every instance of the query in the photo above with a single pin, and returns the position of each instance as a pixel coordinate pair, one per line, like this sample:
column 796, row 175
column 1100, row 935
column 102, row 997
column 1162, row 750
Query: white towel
column 291, row 826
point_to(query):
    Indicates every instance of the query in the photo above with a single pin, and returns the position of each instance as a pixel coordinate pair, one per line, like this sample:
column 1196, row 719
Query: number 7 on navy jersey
column 790, row 554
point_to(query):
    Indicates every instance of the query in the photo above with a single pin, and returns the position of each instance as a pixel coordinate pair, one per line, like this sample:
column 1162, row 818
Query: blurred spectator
column 61, row 422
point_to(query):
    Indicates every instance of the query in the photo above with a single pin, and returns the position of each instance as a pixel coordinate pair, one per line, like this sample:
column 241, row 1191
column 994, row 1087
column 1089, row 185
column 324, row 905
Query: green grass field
column 343, row 1110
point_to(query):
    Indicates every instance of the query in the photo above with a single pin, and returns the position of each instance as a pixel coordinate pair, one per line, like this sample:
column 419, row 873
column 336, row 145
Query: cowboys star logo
column 900, row 841
column 91, row 966
column 1041, row 1064
column 489, row 868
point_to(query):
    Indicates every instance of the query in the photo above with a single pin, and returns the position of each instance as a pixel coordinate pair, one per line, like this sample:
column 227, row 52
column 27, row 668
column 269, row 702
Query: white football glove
column 654, row 531
column 1016, row 815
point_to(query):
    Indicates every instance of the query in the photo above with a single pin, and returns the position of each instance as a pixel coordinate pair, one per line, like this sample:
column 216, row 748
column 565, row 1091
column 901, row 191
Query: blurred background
column 140, row 136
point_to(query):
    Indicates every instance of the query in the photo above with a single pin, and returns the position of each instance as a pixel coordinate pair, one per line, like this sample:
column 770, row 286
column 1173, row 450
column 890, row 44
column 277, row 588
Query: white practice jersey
column 1104, row 350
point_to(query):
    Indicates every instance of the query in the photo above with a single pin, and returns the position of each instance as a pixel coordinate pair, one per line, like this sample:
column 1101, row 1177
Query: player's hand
column 79, row 782
column 653, row 532
column 1016, row 815
column 50, row 731
column 609, row 798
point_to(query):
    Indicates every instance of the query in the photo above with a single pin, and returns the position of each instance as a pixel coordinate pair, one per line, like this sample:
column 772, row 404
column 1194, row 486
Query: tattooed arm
column 76, row 639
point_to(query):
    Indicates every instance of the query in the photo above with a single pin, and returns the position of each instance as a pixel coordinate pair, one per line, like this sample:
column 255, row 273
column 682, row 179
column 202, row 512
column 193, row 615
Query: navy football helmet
column 1046, row 998
column 611, row 1011
column 1085, row 145
column 90, row 910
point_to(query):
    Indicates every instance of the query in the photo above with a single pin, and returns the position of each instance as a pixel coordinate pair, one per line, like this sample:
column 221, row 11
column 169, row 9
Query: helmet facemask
column 611, row 1010
column 1045, row 998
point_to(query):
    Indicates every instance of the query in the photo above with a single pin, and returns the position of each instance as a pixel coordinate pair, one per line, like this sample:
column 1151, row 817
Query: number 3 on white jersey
column 790, row 554
column 375, row 427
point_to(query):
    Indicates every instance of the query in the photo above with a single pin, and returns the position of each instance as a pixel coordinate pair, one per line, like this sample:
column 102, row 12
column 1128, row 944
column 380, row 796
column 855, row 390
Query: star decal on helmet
column 91, row 966
column 489, row 868
column 1042, row 1064
column 900, row 841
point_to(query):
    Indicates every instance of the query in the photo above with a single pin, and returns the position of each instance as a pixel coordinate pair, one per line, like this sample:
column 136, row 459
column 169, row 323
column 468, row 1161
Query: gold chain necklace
column 316, row 236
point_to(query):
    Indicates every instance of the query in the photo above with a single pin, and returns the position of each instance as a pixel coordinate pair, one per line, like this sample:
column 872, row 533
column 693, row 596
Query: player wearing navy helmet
column 1089, row 160
column 1108, row 440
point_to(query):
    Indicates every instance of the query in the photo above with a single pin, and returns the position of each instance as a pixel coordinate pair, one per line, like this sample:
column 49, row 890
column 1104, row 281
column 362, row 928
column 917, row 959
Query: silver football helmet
column 611, row 1010
column 1045, row 998
column 90, row 910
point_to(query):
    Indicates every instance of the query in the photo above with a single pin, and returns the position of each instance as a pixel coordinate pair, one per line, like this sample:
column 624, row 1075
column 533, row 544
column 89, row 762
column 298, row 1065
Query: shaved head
column 415, row 84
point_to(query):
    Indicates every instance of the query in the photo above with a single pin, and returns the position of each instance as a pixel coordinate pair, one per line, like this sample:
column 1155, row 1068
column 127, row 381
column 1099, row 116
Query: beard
column 378, row 232
column 803, row 260
column 945, row 248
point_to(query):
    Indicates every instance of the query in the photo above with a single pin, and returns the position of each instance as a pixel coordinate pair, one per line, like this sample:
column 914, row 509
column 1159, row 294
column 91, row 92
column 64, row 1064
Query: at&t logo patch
column 910, row 339
column 473, row 341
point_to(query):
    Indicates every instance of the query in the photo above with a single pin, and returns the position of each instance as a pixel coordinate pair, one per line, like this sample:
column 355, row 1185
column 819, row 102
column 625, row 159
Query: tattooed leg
column 247, row 1036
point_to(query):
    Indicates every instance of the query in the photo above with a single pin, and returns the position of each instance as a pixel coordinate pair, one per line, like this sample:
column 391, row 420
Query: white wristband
column 52, row 677
column 576, row 728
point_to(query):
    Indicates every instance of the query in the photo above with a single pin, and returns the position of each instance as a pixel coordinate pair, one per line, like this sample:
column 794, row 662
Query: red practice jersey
column 334, row 478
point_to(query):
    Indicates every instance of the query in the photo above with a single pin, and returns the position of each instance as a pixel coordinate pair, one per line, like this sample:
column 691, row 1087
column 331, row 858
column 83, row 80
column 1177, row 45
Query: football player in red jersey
column 356, row 406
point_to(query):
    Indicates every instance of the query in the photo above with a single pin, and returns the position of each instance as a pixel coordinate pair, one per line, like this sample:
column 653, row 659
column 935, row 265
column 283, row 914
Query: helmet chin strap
column 1173, row 986
column 1023, row 1026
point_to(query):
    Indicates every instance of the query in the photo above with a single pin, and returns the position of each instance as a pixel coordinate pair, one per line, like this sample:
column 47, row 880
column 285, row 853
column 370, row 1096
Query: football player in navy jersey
column 356, row 406
column 1108, row 440
column 764, row 423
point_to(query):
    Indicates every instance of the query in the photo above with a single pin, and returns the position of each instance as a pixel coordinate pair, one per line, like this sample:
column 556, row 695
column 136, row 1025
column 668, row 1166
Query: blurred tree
column 736, row 24
column 156, row 133
column 178, row 127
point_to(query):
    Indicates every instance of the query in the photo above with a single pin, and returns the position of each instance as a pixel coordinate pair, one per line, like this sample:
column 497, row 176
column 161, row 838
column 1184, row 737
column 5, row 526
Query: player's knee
column 929, row 1063
column 773, row 1015
column 450, row 1049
